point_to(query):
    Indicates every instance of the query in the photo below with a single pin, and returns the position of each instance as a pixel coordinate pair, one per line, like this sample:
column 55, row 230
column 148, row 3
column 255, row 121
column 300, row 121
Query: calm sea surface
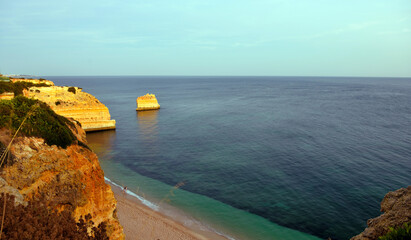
column 316, row 155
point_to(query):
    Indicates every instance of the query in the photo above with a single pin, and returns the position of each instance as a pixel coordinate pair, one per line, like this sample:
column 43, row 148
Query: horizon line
column 152, row 75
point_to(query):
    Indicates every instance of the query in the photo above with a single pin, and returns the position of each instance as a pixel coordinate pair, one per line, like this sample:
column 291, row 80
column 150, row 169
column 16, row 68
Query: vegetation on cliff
column 36, row 221
column 395, row 222
column 41, row 121
column 72, row 89
column 18, row 87
column 399, row 233
column 3, row 78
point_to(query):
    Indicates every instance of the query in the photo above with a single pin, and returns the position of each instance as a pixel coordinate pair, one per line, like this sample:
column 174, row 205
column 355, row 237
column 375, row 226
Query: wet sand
column 143, row 223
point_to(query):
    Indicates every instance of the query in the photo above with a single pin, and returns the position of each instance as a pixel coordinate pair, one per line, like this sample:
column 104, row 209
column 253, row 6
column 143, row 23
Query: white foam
column 142, row 200
column 187, row 222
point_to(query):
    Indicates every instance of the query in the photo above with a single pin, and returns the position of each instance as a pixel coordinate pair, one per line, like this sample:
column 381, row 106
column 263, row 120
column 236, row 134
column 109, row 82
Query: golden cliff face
column 72, row 102
column 147, row 102
column 35, row 81
column 69, row 179
column 6, row 96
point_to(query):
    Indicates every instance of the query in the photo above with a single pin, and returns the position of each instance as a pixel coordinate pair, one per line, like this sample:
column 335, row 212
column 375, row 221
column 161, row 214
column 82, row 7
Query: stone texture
column 396, row 206
column 76, row 104
column 35, row 81
column 6, row 96
column 147, row 102
column 7, row 189
column 63, row 179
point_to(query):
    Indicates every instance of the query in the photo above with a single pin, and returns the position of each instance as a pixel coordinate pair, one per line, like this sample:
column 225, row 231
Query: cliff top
column 39, row 121
column 33, row 80
column 148, row 96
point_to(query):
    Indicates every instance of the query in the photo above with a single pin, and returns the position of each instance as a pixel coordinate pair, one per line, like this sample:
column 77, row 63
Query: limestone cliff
column 72, row 102
column 396, row 206
column 147, row 102
column 68, row 178
column 6, row 96
column 35, row 81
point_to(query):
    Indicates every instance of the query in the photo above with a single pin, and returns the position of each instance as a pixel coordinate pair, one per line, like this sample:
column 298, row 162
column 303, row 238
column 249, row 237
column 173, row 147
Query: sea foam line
column 143, row 200
column 157, row 208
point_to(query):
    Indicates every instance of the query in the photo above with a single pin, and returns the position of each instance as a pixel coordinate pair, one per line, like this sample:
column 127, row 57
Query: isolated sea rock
column 68, row 178
column 72, row 102
column 396, row 206
column 147, row 102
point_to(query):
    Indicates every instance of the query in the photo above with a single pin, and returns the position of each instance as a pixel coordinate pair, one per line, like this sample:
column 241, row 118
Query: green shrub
column 72, row 89
column 2, row 78
column 18, row 87
column 43, row 123
column 399, row 233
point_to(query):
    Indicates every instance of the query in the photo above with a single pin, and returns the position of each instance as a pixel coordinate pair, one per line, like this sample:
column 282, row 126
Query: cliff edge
column 72, row 102
column 396, row 206
column 35, row 81
column 147, row 102
column 49, row 163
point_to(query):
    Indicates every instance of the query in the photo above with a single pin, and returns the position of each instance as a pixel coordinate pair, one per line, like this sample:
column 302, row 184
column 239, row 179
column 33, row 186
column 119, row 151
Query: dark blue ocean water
column 312, row 154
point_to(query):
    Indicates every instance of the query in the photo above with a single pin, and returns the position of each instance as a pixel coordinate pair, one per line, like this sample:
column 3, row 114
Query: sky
column 369, row 38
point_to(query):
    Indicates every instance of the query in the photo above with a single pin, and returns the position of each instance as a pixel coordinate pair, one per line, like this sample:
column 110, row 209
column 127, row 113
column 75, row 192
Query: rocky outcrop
column 7, row 189
column 34, row 81
column 6, row 96
column 396, row 206
column 147, row 102
column 72, row 102
column 63, row 179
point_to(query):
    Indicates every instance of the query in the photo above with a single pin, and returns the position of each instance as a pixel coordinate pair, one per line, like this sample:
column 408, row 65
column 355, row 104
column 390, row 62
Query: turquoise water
column 312, row 154
column 216, row 216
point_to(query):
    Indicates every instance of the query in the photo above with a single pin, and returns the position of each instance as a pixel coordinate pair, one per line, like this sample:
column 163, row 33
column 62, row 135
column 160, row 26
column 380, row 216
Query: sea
column 258, row 158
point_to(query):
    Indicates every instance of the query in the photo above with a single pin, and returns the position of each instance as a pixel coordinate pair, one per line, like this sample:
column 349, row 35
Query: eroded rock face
column 6, row 96
column 35, row 81
column 396, row 206
column 72, row 102
column 63, row 179
column 147, row 102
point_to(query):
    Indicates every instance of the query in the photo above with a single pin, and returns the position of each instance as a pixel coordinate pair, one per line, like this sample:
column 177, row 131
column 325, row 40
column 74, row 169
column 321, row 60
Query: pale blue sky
column 213, row 37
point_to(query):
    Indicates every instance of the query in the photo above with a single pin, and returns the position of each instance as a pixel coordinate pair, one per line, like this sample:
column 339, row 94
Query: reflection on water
column 102, row 143
column 147, row 132
column 147, row 126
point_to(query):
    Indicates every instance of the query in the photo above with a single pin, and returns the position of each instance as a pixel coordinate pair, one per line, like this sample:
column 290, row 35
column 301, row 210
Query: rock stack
column 147, row 102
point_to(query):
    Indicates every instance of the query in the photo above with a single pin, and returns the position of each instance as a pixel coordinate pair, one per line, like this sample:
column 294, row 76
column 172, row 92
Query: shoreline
column 140, row 221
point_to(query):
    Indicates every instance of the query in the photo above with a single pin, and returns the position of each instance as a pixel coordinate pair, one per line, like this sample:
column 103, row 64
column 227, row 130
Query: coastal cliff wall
column 147, row 102
column 34, row 81
column 6, row 96
column 396, row 206
column 72, row 102
column 63, row 179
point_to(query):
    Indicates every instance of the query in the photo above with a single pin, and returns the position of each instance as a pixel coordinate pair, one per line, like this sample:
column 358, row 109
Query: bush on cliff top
column 43, row 122
column 72, row 89
column 36, row 221
column 399, row 233
column 18, row 87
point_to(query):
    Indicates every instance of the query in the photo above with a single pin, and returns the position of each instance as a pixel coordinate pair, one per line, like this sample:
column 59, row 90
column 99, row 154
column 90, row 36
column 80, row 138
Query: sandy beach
column 141, row 222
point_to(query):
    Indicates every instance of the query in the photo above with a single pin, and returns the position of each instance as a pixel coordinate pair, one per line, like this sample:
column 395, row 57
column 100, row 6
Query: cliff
column 72, row 102
column 34, row 81
column 147, row 102
column 63, row 179
column 396, row 206
column 6, row 96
